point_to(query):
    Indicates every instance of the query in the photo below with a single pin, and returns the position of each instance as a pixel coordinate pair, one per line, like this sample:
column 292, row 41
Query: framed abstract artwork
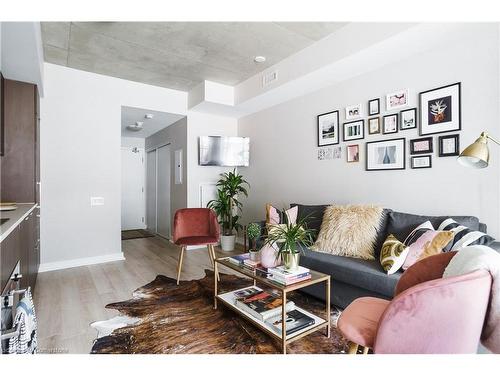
column 440, row 110
column 386, row 155
column 397, row 99
column 374, row 125
column 421, row 146
column 419, row 162
column 408, row 119
column 390, row 124
column 328, row 128
column 449, row 145
column 373, row 107
column 352, row 153
column 353, row 111
column 354, row 130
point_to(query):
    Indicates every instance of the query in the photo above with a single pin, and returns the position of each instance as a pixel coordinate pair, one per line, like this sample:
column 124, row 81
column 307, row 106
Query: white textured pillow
column 349, row 231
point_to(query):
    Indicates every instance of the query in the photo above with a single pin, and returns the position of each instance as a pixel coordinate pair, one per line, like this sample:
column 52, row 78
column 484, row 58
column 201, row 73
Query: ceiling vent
column 268, row 78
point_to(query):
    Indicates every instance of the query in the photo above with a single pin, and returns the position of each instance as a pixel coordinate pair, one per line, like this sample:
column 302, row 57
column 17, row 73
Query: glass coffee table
column 228, row 299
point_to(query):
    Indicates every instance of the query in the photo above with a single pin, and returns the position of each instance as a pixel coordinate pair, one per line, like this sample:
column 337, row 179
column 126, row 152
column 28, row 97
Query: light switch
column 96, row 201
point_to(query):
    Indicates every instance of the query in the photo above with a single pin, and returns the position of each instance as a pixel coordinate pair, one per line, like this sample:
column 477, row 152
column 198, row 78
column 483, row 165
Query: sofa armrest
column 495, row 246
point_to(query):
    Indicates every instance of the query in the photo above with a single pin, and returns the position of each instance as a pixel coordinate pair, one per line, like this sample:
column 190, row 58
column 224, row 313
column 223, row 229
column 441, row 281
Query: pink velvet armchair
column 195, row 226
column 429, row 314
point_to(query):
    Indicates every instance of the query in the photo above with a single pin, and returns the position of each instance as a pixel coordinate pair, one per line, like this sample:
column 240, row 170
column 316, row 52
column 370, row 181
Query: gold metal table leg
column 283, row 322
column 328, row 318
column 215, row 285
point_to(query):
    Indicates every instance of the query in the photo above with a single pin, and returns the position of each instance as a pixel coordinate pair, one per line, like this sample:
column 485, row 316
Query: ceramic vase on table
column 269, row 257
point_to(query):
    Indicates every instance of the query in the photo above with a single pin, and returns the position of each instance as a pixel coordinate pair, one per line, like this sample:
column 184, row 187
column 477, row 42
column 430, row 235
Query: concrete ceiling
column 159, row 121
column 177, row 55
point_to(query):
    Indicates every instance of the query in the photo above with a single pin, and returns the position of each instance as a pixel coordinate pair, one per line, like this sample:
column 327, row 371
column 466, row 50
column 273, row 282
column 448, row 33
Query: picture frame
column 353, row 130
column 386, row 155
column 328, row 128
column 390, row 124
column 421, row 162
column 449, row 145
column 352, row 153
column 408, row 119
column 374, row 107
column 374, row 125
column 2, row 134
column 421, row 146
column 353, row 111
column 441, row 109
column 397, row 99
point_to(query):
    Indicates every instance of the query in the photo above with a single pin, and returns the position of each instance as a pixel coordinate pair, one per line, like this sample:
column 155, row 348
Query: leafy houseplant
column 289, row 238
column 253, row 233
column 227, row 205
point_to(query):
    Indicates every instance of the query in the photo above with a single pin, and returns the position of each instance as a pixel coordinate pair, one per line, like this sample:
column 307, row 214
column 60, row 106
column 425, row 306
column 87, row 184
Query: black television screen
column 224, row 151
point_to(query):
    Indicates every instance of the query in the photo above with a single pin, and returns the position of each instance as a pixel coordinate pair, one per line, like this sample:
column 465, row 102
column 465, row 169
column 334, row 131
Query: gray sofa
column 351, row 277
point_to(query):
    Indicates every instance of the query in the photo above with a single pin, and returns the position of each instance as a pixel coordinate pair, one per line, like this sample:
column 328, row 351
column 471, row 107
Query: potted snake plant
column 227, row 206
column 289, row 239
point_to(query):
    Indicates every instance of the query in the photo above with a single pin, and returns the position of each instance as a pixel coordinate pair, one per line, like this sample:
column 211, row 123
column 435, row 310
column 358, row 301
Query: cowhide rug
column 165, row 318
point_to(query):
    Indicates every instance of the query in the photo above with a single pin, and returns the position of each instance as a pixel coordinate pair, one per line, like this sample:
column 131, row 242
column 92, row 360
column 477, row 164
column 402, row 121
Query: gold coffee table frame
column 316, row 277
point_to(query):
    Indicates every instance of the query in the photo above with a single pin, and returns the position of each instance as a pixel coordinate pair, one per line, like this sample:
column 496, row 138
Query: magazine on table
column 261, row 304
column 295, row 321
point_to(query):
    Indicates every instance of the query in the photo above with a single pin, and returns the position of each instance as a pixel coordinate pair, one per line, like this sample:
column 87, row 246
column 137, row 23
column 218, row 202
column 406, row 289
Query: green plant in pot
column 227, row 206
column 253, row 233
column 289, row 239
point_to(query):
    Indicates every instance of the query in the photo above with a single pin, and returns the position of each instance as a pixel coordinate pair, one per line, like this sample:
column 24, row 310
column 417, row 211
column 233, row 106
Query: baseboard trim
column 53, row 266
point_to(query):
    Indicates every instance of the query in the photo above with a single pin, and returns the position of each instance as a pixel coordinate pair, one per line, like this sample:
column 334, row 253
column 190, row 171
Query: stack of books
column 244, row 261
column 295, row 321
column 287, row 277
column 261, row 304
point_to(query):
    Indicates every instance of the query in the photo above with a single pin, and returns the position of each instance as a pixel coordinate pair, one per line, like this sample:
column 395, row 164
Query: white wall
column 284, row 165
column 200, row 124
column 80, row 158
column 133, row 142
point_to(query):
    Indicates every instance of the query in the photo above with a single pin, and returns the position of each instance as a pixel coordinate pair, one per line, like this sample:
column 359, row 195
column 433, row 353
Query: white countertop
column 15, row 218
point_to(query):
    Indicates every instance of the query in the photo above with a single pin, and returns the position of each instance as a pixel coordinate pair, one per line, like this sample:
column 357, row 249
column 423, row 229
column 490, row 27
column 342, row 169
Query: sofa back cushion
column 314, row 214
column 401, row 224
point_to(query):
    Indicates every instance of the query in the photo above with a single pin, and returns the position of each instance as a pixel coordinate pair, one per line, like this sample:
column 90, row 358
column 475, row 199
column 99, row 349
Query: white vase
column 227, row 242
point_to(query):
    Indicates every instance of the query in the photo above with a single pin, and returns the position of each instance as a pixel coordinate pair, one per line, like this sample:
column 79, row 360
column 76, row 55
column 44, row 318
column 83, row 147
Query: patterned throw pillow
column 424, row 241
column 464, row 236
column 275, row 216
column 393, row 254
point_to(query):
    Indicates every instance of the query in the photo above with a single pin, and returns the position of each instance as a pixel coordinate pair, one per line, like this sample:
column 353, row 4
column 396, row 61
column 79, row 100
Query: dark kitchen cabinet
column 10, row 254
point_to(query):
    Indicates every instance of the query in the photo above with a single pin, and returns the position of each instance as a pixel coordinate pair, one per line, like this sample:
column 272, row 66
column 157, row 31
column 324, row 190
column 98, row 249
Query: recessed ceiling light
column 149, row 116
column 135, row 127
column 259, row 59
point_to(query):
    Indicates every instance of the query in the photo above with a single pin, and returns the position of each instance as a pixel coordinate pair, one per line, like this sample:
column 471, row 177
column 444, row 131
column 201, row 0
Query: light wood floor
column 67, row 301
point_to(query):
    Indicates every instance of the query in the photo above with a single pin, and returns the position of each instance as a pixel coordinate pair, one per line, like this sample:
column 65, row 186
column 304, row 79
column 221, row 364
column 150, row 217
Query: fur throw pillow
column 349, row 231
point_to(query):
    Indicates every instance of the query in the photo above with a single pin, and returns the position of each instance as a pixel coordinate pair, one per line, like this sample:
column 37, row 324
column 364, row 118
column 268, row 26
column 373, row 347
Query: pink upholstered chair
column 195, row 226
column 429, row 314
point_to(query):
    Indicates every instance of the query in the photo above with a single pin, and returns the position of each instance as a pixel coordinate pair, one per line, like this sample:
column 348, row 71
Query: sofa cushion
column 367, row 274
column 314, row 214
column 401, row 224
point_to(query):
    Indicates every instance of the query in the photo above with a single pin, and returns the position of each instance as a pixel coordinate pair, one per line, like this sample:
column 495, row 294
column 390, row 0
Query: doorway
column 133, row 197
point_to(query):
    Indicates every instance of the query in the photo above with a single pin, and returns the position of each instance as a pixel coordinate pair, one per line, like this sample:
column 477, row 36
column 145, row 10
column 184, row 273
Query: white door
column 133, row 204
column 163, row 191
column 151, row 191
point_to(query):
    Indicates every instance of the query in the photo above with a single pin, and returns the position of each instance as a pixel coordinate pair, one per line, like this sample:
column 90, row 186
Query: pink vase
column 269, row 257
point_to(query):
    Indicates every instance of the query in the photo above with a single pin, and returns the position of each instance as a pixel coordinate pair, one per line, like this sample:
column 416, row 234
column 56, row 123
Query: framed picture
column 353, row 111
column 1, row 117
column 397, row 99
column 328, row 128
column 373, row 107
column 418, row 162
column 374, row 125
column 329, row 153
column 408, row 119
column 386, row 155
column 421, row 146
column 354, row 130
column 390, row 124
column 449, row 145
column 352, row 153
column 440, row 110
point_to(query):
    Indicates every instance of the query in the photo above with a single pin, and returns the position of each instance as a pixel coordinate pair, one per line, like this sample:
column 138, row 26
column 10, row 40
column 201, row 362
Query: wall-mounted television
column 224, row 151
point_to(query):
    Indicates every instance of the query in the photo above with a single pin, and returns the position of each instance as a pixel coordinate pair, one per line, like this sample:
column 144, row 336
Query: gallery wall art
column 440, row 110
column 328, row 128
column 386, row 155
